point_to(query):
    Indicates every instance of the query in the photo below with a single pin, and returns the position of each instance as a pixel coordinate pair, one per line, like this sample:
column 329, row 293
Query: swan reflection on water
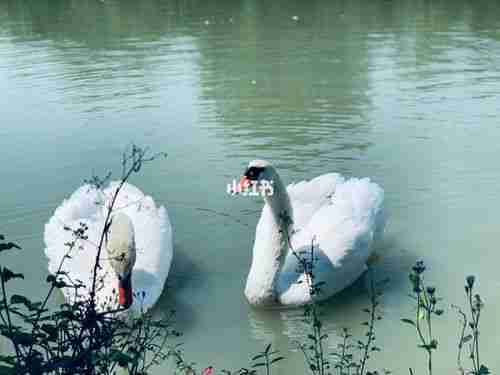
column 285, row 327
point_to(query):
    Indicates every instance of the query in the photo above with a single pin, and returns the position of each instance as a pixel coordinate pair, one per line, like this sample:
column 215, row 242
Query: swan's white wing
column 343, row 229
column 307, row 197
column 83, row 207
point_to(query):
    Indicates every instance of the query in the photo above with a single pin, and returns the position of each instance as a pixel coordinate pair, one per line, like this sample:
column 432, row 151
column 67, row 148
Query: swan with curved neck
column 342, row 217
column 137, row 253
column 120, row 247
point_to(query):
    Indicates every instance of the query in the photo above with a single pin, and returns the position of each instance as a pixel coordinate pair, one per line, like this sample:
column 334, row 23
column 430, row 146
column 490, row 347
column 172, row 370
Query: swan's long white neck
column 271, row 244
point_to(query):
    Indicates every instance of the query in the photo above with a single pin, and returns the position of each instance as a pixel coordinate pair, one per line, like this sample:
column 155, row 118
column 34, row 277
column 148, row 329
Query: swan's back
column 343, row 218
column 153, row 239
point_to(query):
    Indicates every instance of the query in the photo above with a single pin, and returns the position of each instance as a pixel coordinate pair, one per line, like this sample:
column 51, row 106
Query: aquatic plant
column 318, row 361
column 427, row 308
column 469, row 332
column 74, row 338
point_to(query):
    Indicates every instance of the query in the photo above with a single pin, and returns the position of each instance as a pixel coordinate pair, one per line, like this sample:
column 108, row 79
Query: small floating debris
column 295, row 18
column 231, row 20
column 207, row 22
column 253, row 82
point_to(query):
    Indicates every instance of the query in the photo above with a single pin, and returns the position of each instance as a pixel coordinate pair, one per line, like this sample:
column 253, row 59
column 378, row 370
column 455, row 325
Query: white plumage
column 343, row 217
column 153, row 243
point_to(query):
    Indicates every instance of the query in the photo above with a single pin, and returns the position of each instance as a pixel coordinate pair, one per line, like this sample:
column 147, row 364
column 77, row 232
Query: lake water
column 406, row 92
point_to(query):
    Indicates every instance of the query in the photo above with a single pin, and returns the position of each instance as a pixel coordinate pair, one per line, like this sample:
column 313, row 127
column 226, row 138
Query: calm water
column 406, row 92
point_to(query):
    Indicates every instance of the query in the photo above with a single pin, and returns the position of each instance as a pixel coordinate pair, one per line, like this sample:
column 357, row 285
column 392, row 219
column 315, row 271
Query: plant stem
column 7, row 313
column 373, row 300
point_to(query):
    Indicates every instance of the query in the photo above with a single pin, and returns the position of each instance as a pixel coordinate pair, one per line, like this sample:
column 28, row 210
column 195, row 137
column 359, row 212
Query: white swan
column 137, row 252
column 342, row 217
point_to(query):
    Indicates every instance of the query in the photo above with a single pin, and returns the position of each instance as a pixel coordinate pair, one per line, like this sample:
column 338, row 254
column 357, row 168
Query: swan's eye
column 253, row 173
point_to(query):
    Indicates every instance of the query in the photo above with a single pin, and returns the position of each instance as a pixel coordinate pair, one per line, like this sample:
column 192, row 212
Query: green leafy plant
column 76, row 338
column 266, row 358
column 314, row 347
column 469, row 332
column 426, row 308
column 345, row 360
column 263, row 360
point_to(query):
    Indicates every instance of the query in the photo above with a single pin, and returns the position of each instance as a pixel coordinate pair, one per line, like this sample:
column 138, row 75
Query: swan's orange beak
column 125, row 298
column 244, row 184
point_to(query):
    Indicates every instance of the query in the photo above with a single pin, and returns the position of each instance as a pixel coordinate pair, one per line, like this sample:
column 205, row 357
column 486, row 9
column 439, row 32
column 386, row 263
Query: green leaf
column 421, row 314
column 61, row 284
column 483, row 370
column 268, row 347
column 466, row 339
column 121, row 358
column 408, row 321
column 51, row 278
column 260, row 364
column 433, row 344
column 277, row 359
column 8, row 246
column 258, row 356
column 9, row 275
column 51, row 330
column 18, row 299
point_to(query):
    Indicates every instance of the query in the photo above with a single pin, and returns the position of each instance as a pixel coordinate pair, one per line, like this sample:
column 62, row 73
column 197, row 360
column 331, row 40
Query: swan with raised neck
column 276, row 224
column 340, row 218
